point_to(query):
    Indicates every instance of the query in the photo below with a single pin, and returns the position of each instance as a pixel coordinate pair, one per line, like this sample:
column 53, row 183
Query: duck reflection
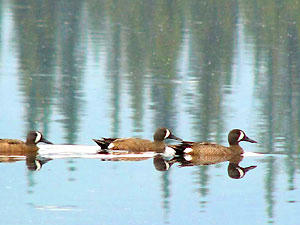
column 33, row 161
column 234, row 170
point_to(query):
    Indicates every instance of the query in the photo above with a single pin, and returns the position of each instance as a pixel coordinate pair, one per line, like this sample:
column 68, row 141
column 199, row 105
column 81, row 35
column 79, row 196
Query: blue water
column 88, row 69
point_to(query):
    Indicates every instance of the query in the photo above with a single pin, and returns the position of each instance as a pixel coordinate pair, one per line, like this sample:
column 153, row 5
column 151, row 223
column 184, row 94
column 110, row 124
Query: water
column 78, row 70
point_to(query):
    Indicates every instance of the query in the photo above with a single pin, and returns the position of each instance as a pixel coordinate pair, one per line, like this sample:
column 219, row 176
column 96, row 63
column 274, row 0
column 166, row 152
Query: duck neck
column 159, row 146
column 233, row 142
column 158, row 140
column 236, row 149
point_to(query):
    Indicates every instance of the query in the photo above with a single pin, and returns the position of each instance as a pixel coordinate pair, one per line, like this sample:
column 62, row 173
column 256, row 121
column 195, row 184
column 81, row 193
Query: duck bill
column 174, row 137
column 46, row 141
column 249, row 140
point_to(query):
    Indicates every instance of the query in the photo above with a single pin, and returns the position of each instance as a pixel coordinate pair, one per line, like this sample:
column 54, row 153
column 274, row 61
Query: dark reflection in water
column 35, row 23
column 33, row 161
column 234, row 170
column 212, row 30
column 71, row 60
column 114, row 58
column 277, row 81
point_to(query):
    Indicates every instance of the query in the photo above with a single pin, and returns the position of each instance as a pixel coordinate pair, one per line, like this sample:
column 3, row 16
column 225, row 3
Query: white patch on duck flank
column 242, row 173
column 38, row 137
column 169, row 152
column 111, row 145
column 242, row 135
column 188, row 150
column 188, row 157
column 167, row 133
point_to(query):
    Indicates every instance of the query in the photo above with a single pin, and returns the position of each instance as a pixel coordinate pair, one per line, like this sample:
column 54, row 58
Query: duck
column 235, row 136
column 20, row 147
column 138, row 145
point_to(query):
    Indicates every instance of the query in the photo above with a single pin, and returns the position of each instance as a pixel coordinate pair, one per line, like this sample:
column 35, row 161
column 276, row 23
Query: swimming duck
column 20, row 147
column 205, row 148
column 138, row 144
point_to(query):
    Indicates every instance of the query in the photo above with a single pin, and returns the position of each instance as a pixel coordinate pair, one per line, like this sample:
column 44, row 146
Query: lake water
column 78, row 70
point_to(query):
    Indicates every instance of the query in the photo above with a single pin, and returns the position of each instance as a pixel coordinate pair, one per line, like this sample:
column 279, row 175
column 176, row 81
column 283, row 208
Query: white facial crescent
column 38, row 137
column 167, row 133
column 38, row 165
column 241, row 172
column 242, row 135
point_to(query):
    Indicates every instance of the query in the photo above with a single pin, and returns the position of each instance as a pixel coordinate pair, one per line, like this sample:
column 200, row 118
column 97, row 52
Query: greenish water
column 78, row 70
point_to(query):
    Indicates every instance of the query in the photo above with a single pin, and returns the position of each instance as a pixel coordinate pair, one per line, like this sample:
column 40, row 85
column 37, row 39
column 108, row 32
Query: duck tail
column 104, row 142
column 181, row 147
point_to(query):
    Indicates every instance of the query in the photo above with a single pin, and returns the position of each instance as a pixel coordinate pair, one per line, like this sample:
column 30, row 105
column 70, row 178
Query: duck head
column 34, row 137
column 235, row 136
column 163, row 133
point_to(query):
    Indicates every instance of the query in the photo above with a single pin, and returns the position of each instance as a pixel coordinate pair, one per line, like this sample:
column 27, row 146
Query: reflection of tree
column 276, row 32
column 71, row 61
column 165, row 40
column 1, row 16
column 212, row 27
column 35, row 22
column 114, row 68
column 166, row 194
column 97, row 25
column 202, row 182
column 136, row 60
column 270, row 186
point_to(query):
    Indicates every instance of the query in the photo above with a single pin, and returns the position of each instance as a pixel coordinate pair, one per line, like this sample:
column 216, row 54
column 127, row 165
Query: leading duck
column 205, row 148
column 18, row 146
column 137, row 145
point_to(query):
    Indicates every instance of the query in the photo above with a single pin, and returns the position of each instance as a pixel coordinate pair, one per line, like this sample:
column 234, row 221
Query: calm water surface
column 78, row 70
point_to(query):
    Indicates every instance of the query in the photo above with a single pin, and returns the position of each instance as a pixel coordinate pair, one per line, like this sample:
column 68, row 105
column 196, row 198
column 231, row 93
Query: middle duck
column 138, row 144
column 205, row 148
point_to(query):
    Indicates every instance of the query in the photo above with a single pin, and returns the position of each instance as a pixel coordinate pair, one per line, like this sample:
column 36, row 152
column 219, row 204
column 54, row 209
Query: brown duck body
column 205, row 148
column 137, row 144
column 17, row 148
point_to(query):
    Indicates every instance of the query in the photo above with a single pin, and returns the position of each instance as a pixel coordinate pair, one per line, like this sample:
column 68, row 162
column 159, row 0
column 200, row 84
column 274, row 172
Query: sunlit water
column 78, row 70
